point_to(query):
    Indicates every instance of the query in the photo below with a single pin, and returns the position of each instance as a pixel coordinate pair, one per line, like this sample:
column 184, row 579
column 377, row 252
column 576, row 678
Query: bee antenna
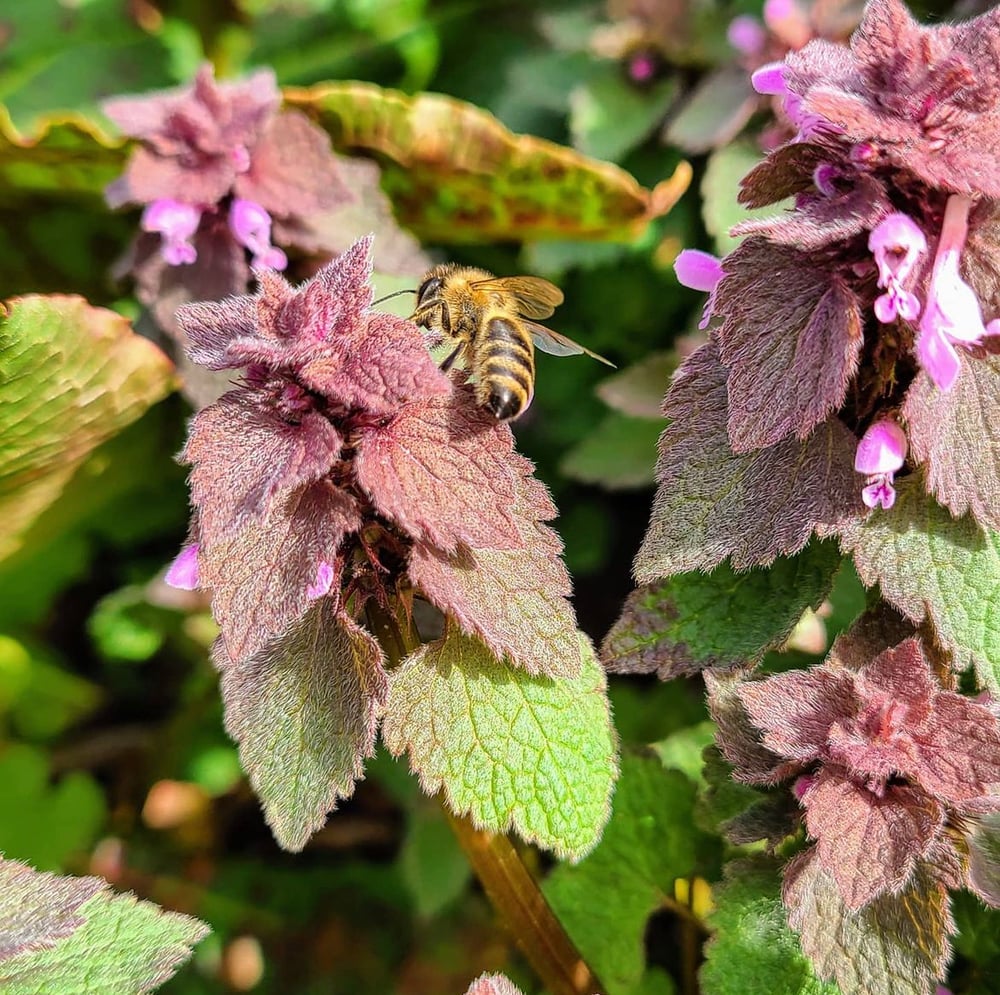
column 396, row 294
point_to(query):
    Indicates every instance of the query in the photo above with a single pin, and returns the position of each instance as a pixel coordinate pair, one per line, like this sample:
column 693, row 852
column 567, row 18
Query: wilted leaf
column 304, row 711
column 898, row 945
column 108, row 943
column 71, row 376
column 752, row 938
column 619, row 453
column 531, row 754
column 455, row 174
column 722, row 619
column 929, row 564
column 606, row 900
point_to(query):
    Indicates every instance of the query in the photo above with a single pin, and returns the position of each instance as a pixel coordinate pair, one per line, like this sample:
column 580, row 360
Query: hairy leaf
column 37, row 910
column 441, row 469
column 260, row 573
column 752, row 939
column 952, row 434
column 605, row 901
column 791, row 340
column 304, row 710
column 619, row 453
column 106, row 943
column 492, row 984
column 898, row 945
column 456, row 174
column 931, row 565
column 514, row 751
column 753, row 507
column 71, row 377
column 722, row 619
column 514, row 600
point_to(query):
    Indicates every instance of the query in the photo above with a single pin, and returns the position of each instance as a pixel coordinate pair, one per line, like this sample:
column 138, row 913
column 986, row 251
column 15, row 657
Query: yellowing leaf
column 456, row 174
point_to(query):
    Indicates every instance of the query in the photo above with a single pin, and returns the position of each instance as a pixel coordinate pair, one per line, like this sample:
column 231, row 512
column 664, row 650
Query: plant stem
column 515, row 895
column 508, row 883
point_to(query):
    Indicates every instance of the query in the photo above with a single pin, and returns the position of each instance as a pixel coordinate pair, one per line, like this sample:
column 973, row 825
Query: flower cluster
column 346, row 467
column 861, row 324
column 223, row 174
column 891, row 770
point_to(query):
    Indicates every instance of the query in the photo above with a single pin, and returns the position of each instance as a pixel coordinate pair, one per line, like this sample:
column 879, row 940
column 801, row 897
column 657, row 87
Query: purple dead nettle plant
column 225, row 178
column 343, row 476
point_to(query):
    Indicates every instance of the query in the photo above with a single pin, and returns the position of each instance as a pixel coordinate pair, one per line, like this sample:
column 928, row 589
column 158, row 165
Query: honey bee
column 491, row 320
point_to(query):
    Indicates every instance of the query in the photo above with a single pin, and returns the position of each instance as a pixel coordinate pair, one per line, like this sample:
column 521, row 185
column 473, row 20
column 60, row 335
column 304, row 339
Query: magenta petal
column 746, row 34
column 881, row 492
column 770, row 79
column 882, row 449
column 323, row 582
column 937, row 356
column 183, row 572
column 251, row 227
column 698, row 270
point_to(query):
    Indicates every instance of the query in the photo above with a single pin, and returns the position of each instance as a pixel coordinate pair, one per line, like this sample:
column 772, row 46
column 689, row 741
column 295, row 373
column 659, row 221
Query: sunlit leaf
column 531, row 754
column 455, row 174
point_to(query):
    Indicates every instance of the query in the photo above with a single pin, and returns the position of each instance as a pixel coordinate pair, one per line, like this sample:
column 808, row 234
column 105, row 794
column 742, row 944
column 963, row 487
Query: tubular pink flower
column 323, row 582
column 183, row 572
column 786, row 20
column 770, row 80
column 881, row 452
column 746, row 35
column 642, row 67
column 897, row 244
column 952, row 313
column 700, row 271
column 176, row 222
column 251, row 227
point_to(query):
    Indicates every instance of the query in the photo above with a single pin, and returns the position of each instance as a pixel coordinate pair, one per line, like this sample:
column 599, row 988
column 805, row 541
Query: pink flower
column 183, row 572
column 700, row 271
column 881, row 452
column 323, row 582
column 953, row 314
column 251, row 227
column 177, row 223
column 897, row 244
column 746, row 34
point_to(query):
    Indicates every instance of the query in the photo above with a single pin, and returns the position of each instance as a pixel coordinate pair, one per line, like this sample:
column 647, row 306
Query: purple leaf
column 952, row 434
column 304, row 710
column 752, row 507
column 791, row 340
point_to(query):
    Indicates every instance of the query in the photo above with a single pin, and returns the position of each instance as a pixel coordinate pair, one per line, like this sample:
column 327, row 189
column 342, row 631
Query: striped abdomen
column 505, row 365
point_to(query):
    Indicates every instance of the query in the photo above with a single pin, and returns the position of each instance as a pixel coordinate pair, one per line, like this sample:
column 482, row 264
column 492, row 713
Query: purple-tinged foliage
column 222, row 172
column 890, row 768
column 874, row 301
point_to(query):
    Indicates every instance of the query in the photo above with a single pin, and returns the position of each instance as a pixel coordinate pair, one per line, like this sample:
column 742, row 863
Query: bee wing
column 559, row 345
column 536, row 298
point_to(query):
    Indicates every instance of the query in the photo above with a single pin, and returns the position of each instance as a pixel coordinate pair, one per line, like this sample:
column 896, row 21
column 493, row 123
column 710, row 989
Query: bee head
column 429, row 290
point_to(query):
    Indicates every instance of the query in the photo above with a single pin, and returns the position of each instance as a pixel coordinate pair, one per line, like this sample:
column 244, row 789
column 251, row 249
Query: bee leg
column 449, row 361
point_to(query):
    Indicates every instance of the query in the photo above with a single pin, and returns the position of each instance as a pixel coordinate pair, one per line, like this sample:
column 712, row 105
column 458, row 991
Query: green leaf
column 713, row 113
column 44, row 823
column 304, row 711
column 434, row 866
column 107, row 945
column 684, row 750
column 71, row 376
column 752, row 939
column 609, row 117
column 719, row 189
column 931, row 565
column 456, row 174
column 619, row 454
column 721, row 619
column 531, row 754
column 605, row 901
column 638, row 390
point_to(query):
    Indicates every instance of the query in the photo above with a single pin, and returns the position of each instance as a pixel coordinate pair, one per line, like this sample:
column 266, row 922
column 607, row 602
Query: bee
column 491, row 320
